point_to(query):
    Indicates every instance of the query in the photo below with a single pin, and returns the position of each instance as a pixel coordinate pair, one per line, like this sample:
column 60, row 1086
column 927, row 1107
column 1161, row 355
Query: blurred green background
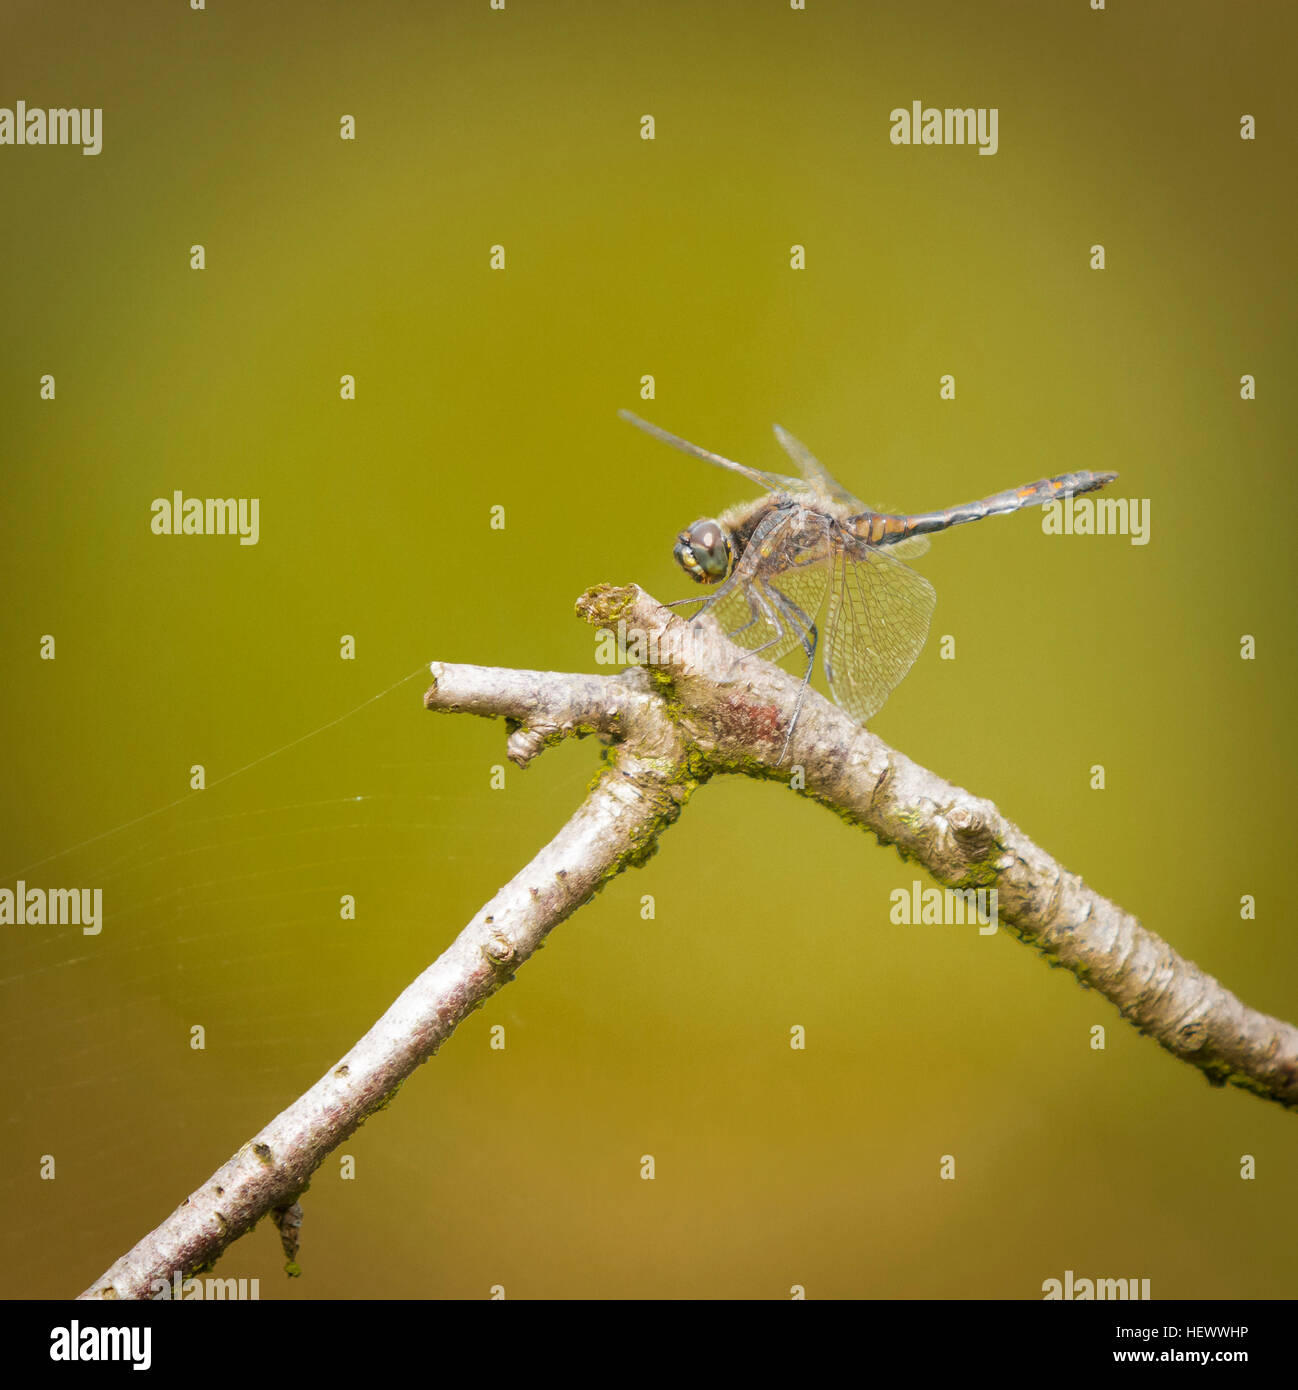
column 478, row 388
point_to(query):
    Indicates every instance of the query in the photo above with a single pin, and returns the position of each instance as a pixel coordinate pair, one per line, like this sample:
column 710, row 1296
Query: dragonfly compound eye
column 704, row 551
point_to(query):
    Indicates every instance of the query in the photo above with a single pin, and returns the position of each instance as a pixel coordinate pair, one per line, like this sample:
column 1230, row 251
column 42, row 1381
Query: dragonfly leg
column 713, row 599
column 810, row 640
column 758, row 607
column 810, row 637
column 782, row 610
column 797, row 711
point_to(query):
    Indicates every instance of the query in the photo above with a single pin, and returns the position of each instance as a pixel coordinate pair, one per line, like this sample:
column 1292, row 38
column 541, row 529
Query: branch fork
column 703, row 708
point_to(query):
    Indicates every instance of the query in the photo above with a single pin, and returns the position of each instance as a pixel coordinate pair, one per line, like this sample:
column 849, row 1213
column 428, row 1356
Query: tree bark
column 700, row 707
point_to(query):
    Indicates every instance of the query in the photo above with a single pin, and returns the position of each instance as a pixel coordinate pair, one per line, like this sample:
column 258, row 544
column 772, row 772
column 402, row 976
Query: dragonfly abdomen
column 877, row 529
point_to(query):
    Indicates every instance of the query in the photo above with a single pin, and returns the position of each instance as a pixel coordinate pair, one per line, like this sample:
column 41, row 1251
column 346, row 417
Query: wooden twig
column 701, row 707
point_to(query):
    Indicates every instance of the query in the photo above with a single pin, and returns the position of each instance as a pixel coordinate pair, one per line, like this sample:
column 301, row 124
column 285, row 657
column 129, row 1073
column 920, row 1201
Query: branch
column 698, row 708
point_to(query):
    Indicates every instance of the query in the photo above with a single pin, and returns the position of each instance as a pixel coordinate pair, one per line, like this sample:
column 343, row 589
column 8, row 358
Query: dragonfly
column 809, row 567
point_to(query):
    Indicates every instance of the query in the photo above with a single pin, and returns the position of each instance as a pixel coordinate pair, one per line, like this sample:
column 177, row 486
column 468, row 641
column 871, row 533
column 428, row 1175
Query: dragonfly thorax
column 705, row 551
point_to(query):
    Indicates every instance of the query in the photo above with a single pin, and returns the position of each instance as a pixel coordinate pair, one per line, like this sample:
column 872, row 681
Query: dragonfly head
column 704, row 552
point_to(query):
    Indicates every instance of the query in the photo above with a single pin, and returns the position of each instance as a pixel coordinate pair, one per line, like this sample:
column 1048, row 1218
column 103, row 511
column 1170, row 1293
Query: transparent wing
column 820, row 477
column 814, row 471
column 777, row 614
column 799, row 594
column 875, row 626
column 771, row 482
column 801, row 584
column 910, row 549
column 772, row 601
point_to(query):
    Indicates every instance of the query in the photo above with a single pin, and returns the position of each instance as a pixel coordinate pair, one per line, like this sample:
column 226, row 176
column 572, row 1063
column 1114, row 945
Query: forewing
column 876, row 625
column 820, row 477
column 772, row 482
column 814, row 471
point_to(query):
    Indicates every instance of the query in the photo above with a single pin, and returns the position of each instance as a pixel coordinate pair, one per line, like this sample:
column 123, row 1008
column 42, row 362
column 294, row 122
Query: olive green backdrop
column 479, row 388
